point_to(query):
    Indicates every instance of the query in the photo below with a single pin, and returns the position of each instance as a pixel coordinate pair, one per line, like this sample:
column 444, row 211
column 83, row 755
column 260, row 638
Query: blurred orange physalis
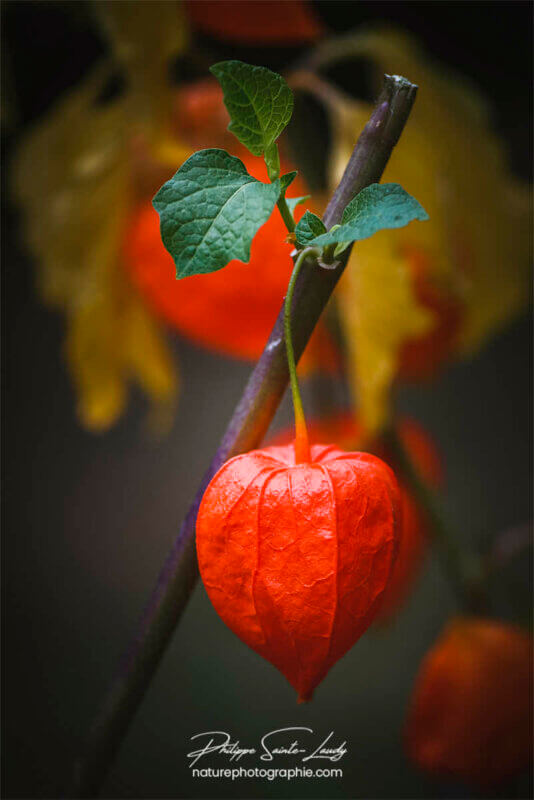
column 257, row 21
column 470, row 714
column 200, row 117
column 233, row 310
column 345, row 430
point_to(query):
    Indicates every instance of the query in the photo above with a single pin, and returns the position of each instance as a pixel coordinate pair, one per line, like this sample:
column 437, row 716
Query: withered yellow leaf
column 75, row 233
column 476, row 243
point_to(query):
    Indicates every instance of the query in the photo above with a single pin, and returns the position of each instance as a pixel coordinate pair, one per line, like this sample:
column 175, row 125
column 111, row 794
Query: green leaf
column 379, row 206
column 211, row 210
column 260, row 104
column 309, row 228
column 293, row 202
column 286, row 180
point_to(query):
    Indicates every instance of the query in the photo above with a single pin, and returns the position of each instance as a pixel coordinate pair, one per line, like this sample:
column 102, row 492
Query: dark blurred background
column 88, row 519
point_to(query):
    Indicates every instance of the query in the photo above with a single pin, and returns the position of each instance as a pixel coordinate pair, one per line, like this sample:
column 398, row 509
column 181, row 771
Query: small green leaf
column 260, row 104
column 387, row 204
column 211, row 210
column 309, row 228
column 293, row 202
column 340, row 248
column 379, row 206
column 286, row 180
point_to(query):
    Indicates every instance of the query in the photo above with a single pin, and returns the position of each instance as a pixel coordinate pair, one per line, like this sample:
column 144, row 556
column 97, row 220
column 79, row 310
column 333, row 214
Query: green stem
column 286, row 214
column 302, row 444
column 272, row 161
column 463, row 569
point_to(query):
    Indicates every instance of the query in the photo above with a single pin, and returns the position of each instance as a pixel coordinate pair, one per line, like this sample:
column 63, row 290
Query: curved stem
column 302, row 444
column 272, row 161
column 286, row 215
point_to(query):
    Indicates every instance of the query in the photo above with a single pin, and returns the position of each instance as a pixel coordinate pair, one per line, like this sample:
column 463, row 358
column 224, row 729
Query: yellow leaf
column 95, row 363
column 145, row 36
column 476, row 243
column 148, row 360
column 74, row 178
column 378, row 312
column 70, row 177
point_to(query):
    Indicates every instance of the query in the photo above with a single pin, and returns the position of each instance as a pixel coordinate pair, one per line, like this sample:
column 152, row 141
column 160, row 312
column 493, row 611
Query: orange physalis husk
column 257, row 22
column 346, row 431
column 470, row 714
column 295, row 557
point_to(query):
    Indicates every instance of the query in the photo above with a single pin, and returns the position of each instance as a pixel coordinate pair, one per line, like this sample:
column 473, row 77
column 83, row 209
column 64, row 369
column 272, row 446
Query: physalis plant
column 296, row 544
column 212, row 208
